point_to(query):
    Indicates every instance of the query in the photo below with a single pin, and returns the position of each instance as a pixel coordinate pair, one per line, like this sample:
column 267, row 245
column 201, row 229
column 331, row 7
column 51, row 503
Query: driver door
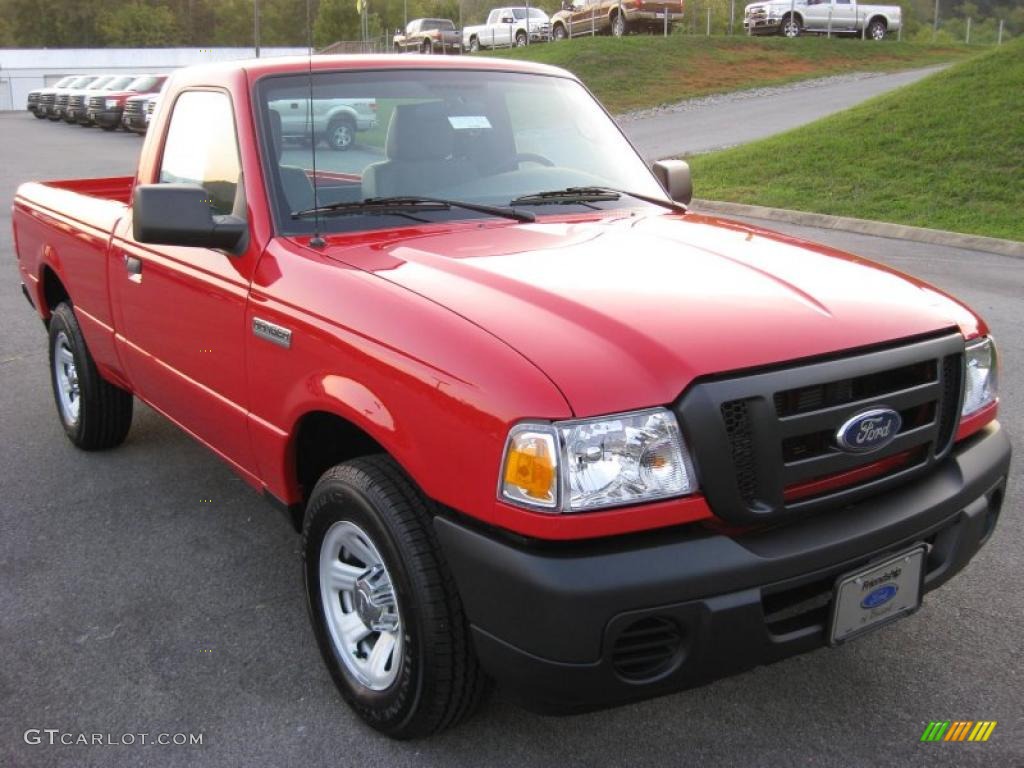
column 180, row 311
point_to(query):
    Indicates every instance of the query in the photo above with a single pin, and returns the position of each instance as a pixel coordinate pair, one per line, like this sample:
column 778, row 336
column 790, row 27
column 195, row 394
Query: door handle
column 132, row 265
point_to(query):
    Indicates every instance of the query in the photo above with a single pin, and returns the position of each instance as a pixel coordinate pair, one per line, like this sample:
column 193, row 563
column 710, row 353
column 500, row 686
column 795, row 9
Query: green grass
column 643, row 71
column 947, row 152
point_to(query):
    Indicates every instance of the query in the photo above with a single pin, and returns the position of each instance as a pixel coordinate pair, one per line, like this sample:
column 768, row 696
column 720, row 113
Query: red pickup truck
column 536, row 421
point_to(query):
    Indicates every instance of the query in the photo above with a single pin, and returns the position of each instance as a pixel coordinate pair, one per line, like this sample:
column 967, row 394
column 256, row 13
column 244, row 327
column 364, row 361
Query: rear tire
column 520, row 39
column 368, row 510
column 474, row 44
column 876, row 30
column 96, row 415
column 341, row 134
column 426, row 47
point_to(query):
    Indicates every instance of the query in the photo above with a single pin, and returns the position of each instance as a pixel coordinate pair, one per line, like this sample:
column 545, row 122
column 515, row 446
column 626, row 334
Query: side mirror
column 674, row 176
column 180, row 214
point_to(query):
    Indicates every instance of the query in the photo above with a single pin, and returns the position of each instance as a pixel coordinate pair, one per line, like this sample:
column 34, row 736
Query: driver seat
column 420, row 150
column 298, row 189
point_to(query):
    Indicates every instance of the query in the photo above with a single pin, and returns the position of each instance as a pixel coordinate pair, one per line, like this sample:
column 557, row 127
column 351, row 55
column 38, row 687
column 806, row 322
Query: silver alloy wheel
column 559, row 33
column 790, row 28
column 341, row 136
column 360, row 606
column 618, row 25
column 877, row 31
column 66, row 375
column 474, row 45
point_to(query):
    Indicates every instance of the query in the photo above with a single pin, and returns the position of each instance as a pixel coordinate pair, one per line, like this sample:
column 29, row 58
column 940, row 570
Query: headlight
column 980, row 384
column 611, row 461
column 111, row 103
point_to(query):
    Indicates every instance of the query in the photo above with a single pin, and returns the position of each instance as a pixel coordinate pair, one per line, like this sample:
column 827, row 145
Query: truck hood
column 625, row 311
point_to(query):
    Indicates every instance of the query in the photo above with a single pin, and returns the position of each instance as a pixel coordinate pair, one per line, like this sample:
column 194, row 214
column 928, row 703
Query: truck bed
column 67, row 224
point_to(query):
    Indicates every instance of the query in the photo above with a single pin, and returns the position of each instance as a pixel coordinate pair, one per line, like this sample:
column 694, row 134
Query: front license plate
column 878, row 594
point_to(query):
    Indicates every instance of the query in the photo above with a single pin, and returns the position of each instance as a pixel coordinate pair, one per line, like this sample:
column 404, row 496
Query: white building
column 25, row 69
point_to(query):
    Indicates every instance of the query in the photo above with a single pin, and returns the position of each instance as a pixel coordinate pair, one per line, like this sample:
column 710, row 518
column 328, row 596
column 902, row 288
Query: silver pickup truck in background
column 840, row 17
column 510, row 26
column 336, row 120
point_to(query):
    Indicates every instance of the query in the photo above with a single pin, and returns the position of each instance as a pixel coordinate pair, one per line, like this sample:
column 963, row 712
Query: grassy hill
column 641, row 71
column 947, row 152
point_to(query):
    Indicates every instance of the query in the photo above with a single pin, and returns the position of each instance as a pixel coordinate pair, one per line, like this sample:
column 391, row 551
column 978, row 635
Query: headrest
column 420, row 132
column 275, row 133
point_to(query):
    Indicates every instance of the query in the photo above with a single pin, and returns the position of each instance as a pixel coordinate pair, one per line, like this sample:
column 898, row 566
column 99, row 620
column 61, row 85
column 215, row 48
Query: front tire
column 559, row 33
column 374, row 574
column 790, row 27
column 96, row 415
column 618, row 25
column 426, row 47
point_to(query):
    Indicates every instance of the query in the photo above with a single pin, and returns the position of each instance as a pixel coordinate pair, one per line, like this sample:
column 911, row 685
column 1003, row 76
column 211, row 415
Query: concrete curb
column 864, row 227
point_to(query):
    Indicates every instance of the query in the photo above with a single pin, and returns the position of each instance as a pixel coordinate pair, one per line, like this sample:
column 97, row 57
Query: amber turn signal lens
column 530, row 473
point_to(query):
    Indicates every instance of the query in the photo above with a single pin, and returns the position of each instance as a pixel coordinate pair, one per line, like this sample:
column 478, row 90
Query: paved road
column 129, row 605
column 724, row 121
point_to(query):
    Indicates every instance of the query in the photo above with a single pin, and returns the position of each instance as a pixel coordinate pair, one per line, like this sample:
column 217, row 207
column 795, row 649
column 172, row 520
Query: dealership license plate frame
column 910, row 582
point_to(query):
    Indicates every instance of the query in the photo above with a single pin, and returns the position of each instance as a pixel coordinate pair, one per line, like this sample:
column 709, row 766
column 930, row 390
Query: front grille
column 149, row 107
column 95, row 102
column 647, row 648
column 76, row 102
column 133, row 108
column 33, row 98
column 736, row 416
column 772, row 449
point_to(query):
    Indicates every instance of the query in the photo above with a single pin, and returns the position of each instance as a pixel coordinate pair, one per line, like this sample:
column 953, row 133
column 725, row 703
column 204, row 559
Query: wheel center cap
column 375, row 600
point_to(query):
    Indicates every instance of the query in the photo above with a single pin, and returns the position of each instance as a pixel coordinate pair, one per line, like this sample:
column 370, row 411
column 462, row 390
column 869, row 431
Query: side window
column 202, row 148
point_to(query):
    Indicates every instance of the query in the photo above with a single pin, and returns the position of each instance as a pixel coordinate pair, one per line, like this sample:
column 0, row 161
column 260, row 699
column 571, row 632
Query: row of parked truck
column 521, row 25
column 109, row 101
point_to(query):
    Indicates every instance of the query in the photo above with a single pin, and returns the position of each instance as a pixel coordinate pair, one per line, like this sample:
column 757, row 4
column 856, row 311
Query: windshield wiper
column 404, row 203
column 571, row 195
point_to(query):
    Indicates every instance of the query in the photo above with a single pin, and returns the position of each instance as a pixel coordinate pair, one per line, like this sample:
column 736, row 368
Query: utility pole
column 967, row 41
column 1000, row 40
column 935, row 23
column 256, row 26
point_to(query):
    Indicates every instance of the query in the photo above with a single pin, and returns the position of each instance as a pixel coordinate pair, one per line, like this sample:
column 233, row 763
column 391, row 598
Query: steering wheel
column 530, row 157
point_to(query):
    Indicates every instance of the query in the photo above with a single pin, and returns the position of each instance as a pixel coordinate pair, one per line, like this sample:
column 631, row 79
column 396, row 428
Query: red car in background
column 105, row 109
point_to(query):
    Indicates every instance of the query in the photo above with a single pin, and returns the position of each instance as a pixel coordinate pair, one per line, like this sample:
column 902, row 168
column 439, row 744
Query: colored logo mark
column 958, row 730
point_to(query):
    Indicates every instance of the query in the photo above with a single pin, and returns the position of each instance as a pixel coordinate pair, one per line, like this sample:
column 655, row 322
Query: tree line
column 208, row 23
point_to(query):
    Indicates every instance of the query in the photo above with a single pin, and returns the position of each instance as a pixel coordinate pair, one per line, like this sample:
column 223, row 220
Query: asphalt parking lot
column 129, row 603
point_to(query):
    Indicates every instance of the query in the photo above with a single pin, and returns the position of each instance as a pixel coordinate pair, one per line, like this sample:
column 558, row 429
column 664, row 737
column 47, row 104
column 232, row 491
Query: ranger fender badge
column 268, row 331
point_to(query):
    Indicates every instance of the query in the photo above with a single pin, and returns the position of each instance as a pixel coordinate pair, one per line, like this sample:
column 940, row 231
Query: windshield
column 79, row 82
column 142, row 83
column 118, row 83
column 472, row 136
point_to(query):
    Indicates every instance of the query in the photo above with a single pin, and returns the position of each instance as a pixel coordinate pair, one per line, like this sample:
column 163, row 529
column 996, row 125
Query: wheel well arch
column 879, row 17
column 795, row 14
column 321, row 439
column 54, row 291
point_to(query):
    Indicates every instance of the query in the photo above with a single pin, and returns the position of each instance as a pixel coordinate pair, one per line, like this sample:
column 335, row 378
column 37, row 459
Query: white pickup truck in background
column 506, row 27
column 840, row 17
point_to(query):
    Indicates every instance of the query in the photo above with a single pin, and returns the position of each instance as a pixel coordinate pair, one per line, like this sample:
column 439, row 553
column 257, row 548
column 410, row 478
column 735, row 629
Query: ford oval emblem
column 869, row 431
column 879, row 596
